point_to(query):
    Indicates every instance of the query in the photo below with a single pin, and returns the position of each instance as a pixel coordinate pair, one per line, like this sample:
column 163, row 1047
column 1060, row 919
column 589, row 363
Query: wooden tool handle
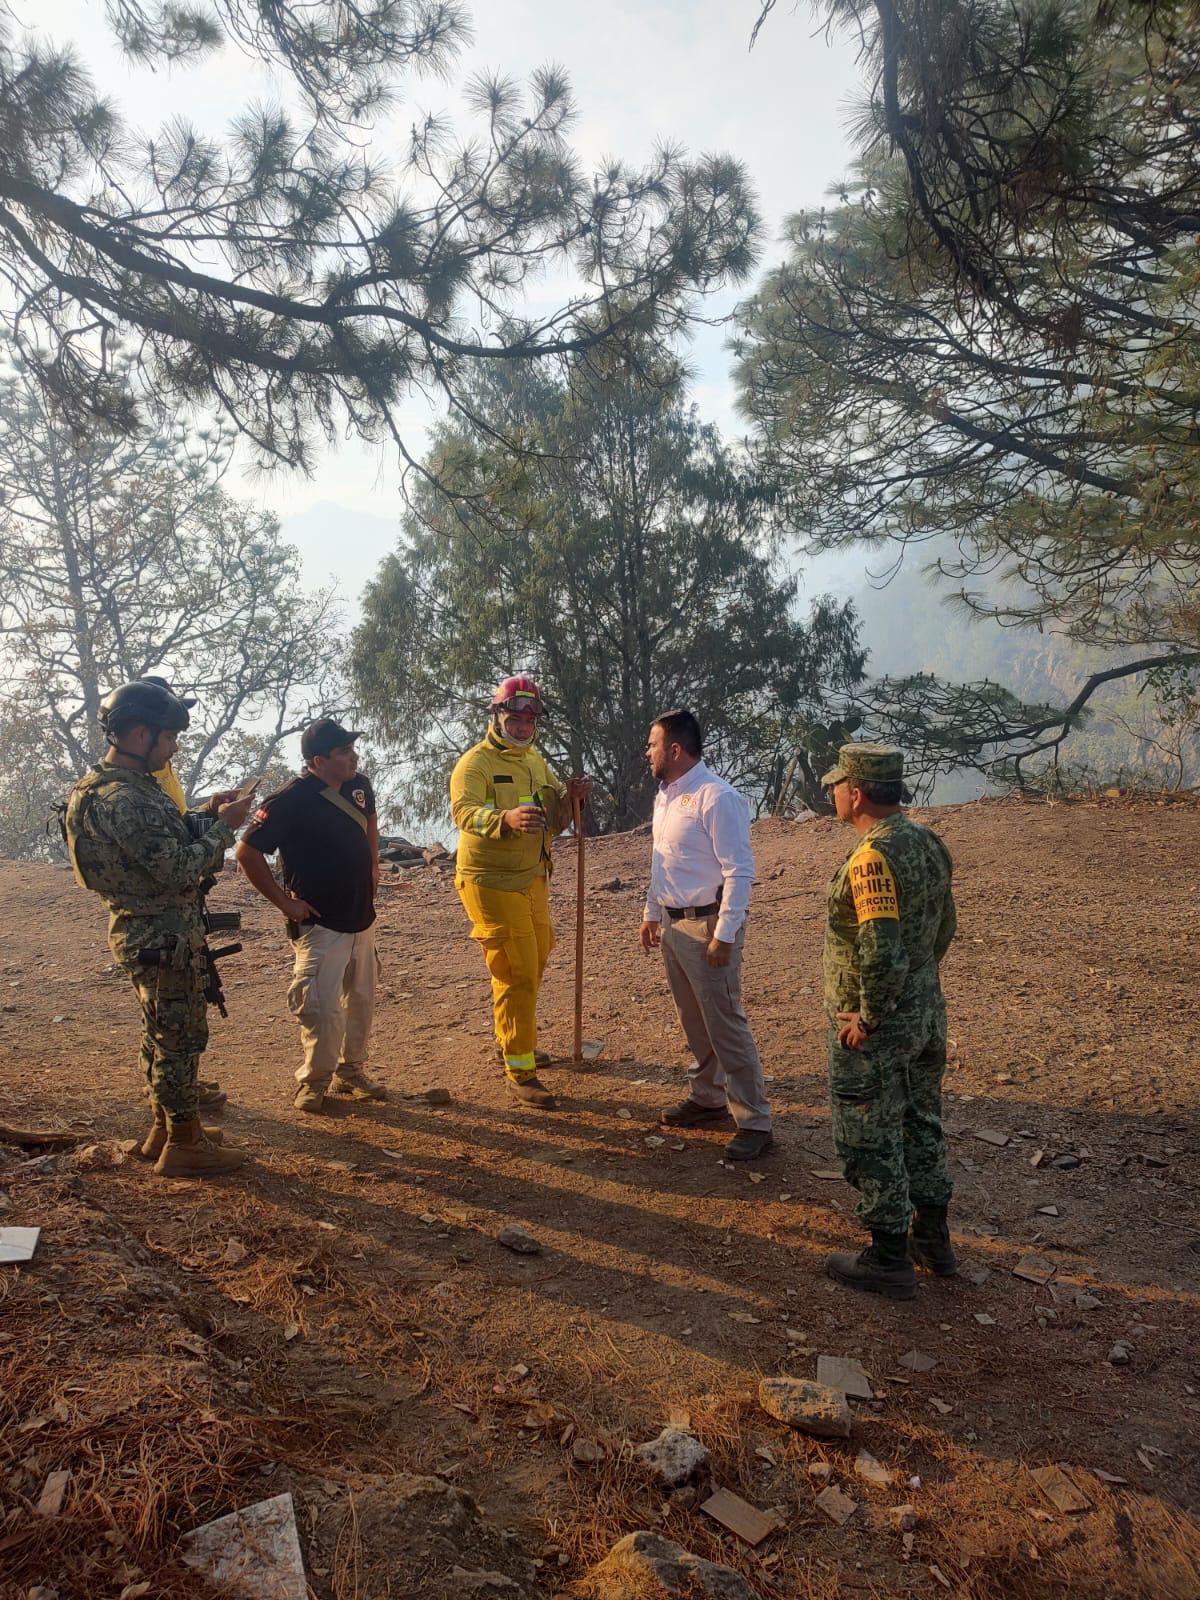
column 577, row 810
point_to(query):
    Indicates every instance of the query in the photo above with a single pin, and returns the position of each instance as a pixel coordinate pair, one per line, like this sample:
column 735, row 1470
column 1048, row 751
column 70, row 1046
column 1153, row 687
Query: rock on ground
column 514, row 1237
column 645, row 1566
column 673, row 1457
column 812, row 1407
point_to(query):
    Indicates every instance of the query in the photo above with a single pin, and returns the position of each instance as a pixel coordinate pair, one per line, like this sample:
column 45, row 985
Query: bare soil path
column 338, row 1316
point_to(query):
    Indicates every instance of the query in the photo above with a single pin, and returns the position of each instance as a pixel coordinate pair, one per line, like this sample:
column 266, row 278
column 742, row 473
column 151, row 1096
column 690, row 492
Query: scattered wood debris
column 841, row 1372
column 39, row 1138
column 50, row 1501
column 916, row 1361
column 838, row 1507
column 739, row 1516
column 1034, row 1269
column 1059, row 1489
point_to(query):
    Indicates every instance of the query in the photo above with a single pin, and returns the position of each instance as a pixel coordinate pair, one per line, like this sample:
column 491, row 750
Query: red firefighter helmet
column 518, row 694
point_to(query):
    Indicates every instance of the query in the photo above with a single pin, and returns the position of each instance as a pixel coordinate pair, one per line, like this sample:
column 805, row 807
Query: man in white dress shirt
column 700, row 880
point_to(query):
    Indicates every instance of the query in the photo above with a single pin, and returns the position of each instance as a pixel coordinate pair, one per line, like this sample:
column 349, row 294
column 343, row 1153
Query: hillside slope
column 364, row 1333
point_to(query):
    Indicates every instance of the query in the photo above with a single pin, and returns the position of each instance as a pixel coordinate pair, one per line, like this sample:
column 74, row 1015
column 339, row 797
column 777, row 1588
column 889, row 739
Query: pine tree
column 990, row 347
column 292, row 277
column 625, row 558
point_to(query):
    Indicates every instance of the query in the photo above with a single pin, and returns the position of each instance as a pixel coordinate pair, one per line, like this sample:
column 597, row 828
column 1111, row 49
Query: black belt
column 692, row 913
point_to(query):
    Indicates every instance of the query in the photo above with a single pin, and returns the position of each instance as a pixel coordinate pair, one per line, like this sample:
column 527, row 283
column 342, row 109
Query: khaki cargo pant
column 332, row 996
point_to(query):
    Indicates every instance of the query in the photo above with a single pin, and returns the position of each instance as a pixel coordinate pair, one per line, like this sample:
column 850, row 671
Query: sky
column 641, row 73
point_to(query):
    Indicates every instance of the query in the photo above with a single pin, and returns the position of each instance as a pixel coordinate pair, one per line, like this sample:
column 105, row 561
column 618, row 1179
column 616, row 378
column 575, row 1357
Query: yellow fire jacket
column 167, row 780
column 488, row 781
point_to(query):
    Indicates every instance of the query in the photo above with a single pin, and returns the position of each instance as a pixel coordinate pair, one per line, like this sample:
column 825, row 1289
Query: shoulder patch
column 873, row 887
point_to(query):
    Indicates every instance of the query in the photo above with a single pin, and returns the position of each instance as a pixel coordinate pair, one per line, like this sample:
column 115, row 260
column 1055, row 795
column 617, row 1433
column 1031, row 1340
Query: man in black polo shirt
column 323, row 825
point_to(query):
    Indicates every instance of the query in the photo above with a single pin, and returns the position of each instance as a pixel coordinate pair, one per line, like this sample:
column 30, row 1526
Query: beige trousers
column 726, row 1069
column 332, row 996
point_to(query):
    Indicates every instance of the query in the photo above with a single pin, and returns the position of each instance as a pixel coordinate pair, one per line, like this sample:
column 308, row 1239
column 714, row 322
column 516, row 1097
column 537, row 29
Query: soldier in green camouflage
column 128, row 843
column 890, row 921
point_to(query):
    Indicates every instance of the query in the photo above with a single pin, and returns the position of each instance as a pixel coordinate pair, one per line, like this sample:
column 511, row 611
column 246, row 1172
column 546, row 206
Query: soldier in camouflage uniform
column 128, row 843
column 212, row 1096
column 890, row 921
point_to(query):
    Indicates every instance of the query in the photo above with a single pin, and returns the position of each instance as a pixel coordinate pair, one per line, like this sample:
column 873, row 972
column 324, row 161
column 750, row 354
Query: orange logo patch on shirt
column 873, row 887
column 685, row 799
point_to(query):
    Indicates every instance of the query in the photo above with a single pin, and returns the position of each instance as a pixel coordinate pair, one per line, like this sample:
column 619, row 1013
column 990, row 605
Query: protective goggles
column 524, row 704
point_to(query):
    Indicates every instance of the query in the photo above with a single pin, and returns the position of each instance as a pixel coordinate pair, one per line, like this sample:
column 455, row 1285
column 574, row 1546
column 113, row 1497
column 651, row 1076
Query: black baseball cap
column 324, row 735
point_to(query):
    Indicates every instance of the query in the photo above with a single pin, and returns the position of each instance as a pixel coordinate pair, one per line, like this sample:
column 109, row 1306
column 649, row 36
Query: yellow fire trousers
column 514, row 929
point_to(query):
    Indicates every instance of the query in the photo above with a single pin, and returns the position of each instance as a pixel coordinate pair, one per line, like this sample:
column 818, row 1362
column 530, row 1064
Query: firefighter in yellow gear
column 508, row 805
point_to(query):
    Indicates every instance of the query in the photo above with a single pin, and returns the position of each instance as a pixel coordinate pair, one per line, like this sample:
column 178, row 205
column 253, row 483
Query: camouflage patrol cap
column 867, row 763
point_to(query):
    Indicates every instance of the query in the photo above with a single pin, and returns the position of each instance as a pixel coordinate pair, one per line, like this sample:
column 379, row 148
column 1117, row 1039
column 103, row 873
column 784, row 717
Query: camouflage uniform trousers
column 886, row 1102
column 174, row 1012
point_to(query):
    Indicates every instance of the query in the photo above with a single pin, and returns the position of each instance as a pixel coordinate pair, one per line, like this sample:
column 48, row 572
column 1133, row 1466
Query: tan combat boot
column 152, row 1146
column 188, row 1154
column 353, row 1080
column 212, row 1096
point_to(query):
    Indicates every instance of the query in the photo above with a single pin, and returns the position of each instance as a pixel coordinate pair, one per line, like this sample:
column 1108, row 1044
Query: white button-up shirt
column 701, row 845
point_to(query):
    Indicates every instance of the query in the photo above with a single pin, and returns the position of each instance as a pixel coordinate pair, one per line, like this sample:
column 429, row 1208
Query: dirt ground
column 338, row 1320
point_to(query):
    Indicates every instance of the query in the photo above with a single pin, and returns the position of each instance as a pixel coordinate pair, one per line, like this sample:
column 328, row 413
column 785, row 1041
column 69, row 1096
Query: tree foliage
column 288, row 277
column 993, row 339
column 123, row 557
column 623, row 559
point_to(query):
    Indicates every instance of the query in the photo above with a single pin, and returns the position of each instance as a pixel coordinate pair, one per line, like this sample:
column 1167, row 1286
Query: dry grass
column 154, row 1441
column 139, row 1405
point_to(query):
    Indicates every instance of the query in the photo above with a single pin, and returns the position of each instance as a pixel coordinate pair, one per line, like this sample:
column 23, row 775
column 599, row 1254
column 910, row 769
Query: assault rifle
column 217, row 922
column 167, row 953
column 198, row 823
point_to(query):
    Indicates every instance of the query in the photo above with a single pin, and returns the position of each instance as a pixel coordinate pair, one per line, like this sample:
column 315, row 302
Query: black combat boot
column 882, row 1268
column 931, row 1247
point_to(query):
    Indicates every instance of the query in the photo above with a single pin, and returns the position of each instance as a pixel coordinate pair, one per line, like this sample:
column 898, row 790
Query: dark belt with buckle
column 692, row 913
